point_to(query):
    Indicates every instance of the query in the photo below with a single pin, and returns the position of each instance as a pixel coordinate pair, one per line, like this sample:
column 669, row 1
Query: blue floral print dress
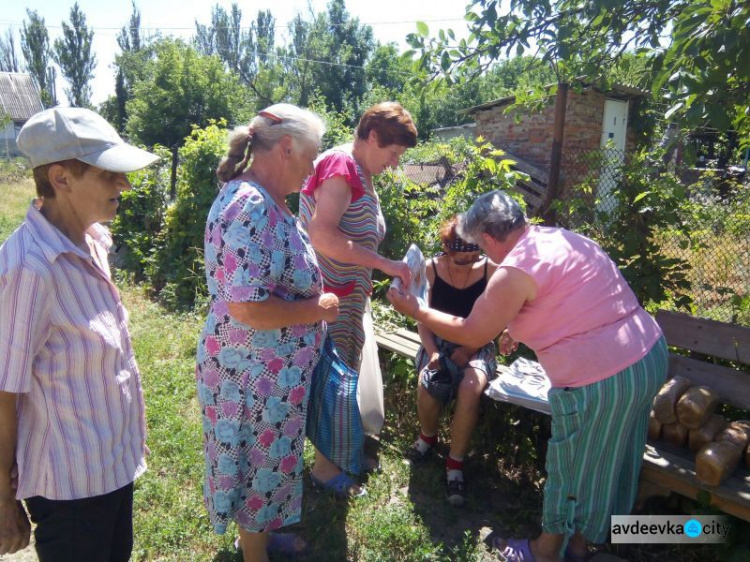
column 253, row 385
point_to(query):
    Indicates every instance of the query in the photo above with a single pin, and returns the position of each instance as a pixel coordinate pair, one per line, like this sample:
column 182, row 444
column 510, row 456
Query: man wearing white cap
column 71, row 405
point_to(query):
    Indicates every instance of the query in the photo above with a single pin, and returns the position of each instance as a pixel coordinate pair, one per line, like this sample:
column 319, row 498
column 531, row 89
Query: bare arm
column 462, row 355
column 274, row 313
column 332, row 199
column 506, row 293
column 14, row 525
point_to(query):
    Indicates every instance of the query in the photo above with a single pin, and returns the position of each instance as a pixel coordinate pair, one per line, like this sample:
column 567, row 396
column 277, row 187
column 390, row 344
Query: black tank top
column 451, row 300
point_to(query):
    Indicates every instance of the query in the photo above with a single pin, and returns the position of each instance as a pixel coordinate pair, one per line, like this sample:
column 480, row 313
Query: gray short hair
column 265, row 131
column 494, row 213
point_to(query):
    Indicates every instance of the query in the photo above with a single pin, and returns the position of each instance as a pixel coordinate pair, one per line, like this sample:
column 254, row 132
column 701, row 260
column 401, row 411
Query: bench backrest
column 714, row 340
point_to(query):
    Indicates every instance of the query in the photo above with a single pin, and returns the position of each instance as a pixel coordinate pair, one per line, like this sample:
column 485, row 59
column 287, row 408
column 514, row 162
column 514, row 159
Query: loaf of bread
column 698, row 438
column 695, row 406
column 654, row 427
column 666, row 399
column 675, row 434
column 737, row 433
column 716, row 462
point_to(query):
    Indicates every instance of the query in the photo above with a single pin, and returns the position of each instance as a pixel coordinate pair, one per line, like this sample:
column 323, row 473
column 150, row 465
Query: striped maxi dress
column 334, row 424
column 363, row 223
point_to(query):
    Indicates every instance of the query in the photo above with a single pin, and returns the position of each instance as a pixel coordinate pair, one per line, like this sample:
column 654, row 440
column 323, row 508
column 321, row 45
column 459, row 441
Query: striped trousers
column 595, row 453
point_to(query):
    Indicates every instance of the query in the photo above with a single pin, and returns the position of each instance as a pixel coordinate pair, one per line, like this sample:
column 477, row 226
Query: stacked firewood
column 684, row 414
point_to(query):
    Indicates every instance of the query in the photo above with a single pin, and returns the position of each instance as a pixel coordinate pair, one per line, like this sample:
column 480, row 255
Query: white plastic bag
column 370, row 388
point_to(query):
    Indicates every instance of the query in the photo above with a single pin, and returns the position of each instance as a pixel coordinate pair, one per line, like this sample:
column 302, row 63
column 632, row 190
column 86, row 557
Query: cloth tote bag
column 334, row 425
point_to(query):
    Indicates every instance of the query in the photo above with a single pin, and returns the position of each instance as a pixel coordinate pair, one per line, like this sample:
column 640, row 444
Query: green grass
column 403, row 518
column 14, row 201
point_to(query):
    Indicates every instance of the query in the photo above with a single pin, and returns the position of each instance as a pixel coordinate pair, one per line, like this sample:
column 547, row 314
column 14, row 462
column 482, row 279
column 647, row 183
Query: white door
column 614, row 129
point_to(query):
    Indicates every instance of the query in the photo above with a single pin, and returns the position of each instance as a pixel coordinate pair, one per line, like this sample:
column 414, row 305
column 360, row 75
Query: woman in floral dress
column 265, row 326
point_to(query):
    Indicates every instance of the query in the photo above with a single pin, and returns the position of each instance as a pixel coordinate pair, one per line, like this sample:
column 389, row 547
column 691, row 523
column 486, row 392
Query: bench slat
column 399, row 345
column 677, row 473
column 727, row 341
column 409, row 335
column 732, row 386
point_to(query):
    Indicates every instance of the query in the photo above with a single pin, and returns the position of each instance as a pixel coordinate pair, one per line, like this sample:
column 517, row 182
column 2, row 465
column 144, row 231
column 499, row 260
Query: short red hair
column 392, row 124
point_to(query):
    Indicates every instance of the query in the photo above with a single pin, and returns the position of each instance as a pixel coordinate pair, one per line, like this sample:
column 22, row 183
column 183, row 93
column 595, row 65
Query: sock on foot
column 425, row 442
column 455, row 468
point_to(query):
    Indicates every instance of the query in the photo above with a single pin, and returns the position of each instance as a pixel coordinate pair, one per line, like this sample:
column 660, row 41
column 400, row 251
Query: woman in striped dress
column 561, row 295
column 342, row 214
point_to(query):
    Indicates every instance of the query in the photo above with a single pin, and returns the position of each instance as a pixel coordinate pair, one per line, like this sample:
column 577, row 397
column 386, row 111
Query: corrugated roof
column 617, row 90
column 19, row 97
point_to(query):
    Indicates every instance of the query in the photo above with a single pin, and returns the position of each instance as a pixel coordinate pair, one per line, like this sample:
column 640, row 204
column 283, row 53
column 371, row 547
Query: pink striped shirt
column 66, row 351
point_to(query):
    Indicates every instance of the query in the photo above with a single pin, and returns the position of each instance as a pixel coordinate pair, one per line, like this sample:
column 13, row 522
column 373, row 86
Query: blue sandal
column 341, row 486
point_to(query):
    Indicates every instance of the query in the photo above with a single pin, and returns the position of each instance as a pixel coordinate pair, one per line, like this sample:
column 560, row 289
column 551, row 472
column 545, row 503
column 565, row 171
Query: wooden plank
column 409, row 335
column 396, row 344
column 732, row 386
column 677, row 473
column 531, row 198
column 526, row 167
column 718, row 339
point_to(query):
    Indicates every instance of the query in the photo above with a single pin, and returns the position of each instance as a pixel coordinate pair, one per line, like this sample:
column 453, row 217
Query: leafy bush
column 14, row 169
column 177, row 272
column 414, row 212
column 647, row 203
column 141, row 216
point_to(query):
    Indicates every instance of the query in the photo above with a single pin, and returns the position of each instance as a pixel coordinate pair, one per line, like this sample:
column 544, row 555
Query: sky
column 391, row 21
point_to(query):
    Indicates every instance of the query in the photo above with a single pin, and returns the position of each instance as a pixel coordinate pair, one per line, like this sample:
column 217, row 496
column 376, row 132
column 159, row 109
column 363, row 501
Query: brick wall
column 530, row 138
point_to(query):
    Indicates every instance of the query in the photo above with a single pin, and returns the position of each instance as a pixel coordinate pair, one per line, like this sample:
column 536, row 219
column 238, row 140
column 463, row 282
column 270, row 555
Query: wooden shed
column 19, row 100
column 593, row 119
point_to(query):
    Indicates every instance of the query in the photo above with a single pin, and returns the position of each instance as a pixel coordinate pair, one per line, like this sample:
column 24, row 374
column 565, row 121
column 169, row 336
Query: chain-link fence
column 698, row 223
column 681, row 235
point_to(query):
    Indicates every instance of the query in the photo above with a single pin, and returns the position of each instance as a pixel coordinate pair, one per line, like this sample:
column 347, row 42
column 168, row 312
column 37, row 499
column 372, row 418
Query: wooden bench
column 701, row 342
column 698, row 343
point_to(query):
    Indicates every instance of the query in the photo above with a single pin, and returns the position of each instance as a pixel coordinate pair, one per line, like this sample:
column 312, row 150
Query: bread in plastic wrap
column 695, row 406
column 716, row 462
column 666, row 399
column 675, row 434
column 698, row 438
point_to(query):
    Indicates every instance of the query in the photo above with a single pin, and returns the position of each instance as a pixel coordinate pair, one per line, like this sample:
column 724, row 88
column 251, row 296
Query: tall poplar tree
column 8, row 57
column 36, row 51
column 73, row 54
column 127, row 64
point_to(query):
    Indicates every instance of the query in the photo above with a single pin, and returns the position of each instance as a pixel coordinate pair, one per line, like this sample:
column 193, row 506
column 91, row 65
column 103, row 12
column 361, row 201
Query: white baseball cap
column 63, row 133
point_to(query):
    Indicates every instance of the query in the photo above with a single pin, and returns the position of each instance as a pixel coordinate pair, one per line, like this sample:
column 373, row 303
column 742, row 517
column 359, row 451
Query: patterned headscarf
column 461, row 245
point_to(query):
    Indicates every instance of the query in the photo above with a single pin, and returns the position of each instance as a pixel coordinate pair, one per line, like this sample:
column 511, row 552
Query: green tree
column 180, row 89
column 348, row 47
column 388, row 69
column 696, row 49
column 73, row 54
column 8, row 56
column 248, row 52
column 328, row 53
column 36, row 51
column 132, row 57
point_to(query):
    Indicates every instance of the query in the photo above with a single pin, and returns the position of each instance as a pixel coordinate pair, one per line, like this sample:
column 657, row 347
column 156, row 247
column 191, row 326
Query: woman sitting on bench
column 561, row 295
column 447, row 370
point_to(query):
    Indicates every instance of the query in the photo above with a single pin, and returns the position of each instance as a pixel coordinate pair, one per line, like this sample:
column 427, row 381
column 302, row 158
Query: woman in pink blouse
column 562, row 296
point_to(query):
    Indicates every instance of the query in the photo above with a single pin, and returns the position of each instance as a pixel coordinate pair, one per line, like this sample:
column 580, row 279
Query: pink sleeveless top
column 585, row 323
